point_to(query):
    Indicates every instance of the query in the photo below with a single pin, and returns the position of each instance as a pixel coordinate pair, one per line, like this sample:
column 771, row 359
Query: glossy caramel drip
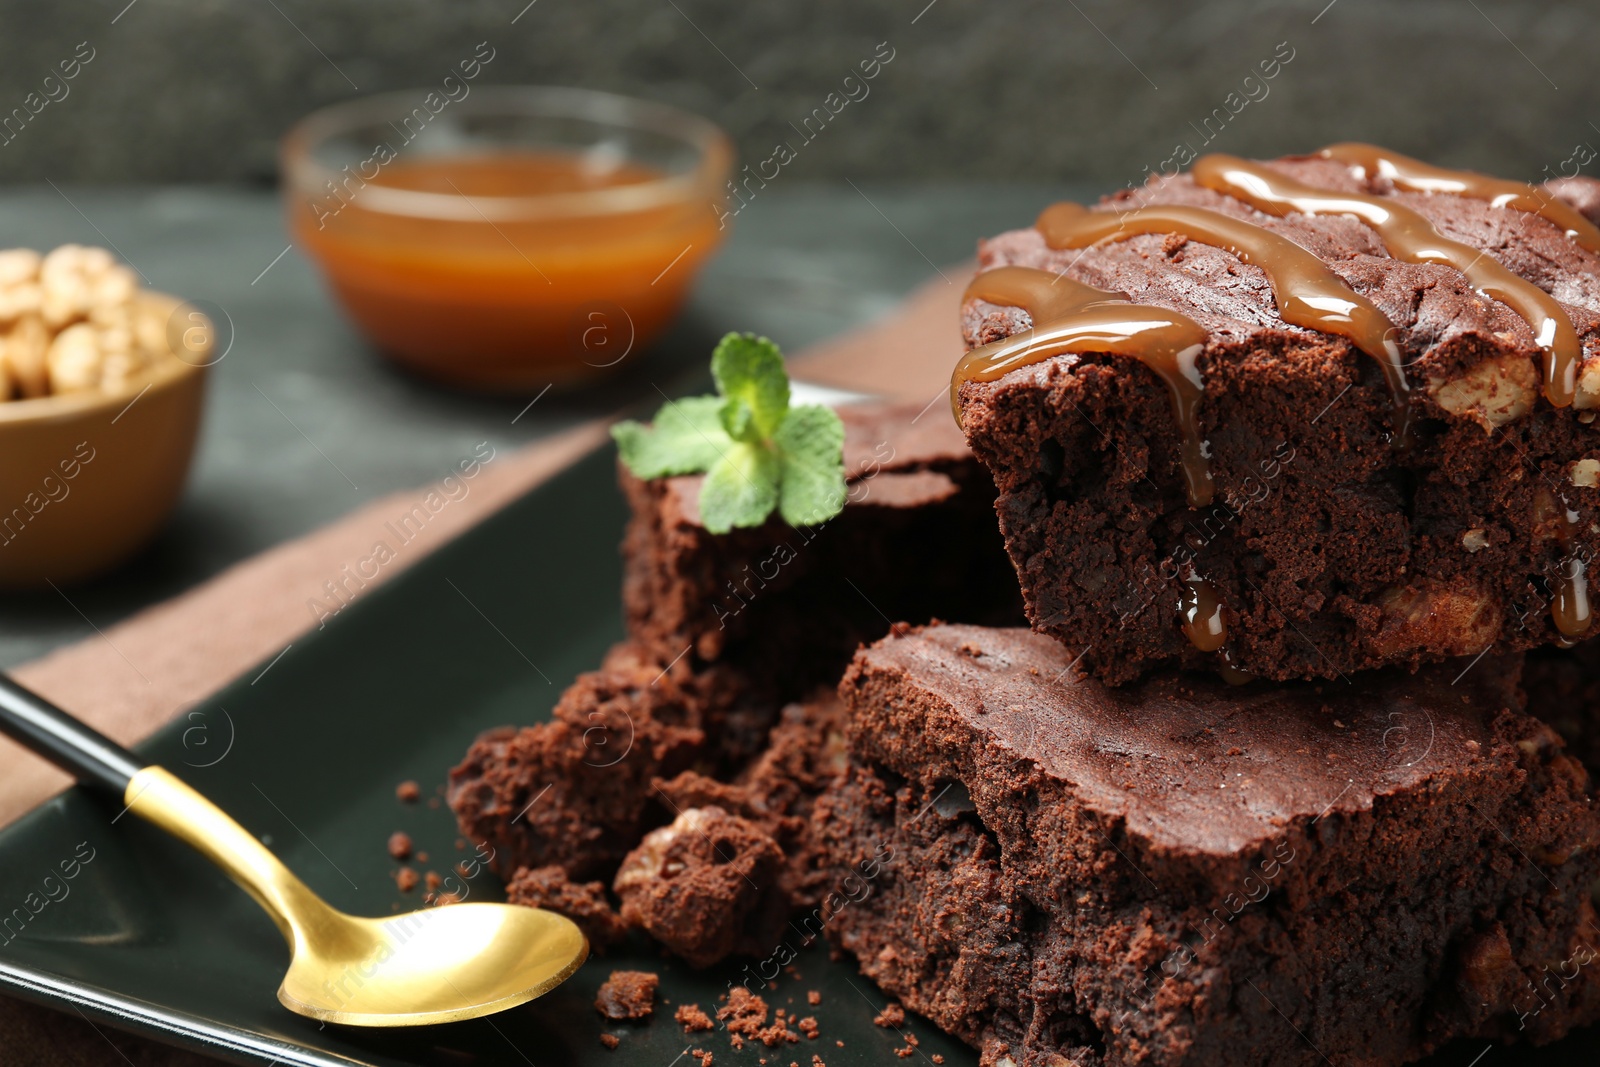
column 1306, row 292
column 1201, row 610
column 1069, row 317
column 1570, row 609
column 1415, row 176
column 1411, row 237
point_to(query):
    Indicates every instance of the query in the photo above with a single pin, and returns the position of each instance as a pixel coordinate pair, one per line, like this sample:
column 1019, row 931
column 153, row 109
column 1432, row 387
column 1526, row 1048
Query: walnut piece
column 1451, row 620
column 1585, row 474
column 1492, row 393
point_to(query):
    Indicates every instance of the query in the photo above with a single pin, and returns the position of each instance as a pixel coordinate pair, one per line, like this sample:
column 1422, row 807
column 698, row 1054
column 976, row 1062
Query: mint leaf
column 686, row 437
column 741, row 489
column 811, row 483
column 757, row 453
column 749, row 373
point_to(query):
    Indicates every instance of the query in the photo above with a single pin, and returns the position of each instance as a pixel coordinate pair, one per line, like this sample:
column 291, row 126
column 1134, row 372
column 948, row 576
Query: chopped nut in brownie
column 705, row 887
column 584, row 903
column 627, row 995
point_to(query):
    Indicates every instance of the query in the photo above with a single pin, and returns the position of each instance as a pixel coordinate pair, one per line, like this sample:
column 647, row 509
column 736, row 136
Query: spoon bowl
column 435, row 966
column 425, row 967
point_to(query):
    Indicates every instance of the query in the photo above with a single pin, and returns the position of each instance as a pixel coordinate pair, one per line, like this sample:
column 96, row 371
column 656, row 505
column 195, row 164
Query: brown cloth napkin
column 139, row 674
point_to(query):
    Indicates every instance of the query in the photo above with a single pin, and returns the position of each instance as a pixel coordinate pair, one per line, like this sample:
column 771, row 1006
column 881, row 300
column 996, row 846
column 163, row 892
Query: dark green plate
column 307, row 751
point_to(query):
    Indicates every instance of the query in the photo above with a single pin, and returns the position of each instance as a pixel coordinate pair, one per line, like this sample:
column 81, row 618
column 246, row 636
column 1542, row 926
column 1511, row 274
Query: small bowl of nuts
column 101, row 389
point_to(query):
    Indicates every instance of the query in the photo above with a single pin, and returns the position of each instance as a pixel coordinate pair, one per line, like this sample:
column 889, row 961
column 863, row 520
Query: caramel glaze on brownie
column 1152, row 874
column 1327, row 548
column 787, row 606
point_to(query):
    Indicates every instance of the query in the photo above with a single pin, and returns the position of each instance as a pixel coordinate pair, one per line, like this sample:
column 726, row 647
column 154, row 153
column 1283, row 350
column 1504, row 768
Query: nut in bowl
column 507, row 238
column 102, row 385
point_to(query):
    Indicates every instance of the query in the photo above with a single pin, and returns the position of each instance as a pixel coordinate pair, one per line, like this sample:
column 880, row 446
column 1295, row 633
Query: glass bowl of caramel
column 506, row 238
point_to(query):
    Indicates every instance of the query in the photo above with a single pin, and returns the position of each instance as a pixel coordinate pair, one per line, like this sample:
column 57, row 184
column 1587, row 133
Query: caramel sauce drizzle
column 1201, row 610
column 1306, row 292
column 1070, row 317
column 1415, row 176
column 1411, row 237
column 1570, row 608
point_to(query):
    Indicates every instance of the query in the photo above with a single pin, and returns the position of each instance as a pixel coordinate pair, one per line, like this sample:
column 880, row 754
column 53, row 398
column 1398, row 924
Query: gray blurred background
column 1064, row 90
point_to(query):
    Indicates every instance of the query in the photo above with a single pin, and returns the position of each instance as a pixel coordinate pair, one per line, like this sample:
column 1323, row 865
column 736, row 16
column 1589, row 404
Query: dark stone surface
column 1036, row 89
column 805, row 262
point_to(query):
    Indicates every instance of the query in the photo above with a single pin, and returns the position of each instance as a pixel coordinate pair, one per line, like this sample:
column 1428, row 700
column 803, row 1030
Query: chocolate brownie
column 1563, row 689
column 916, row 540
column 1185, row 872
column 585, row 903
column 778, row 790
column 1256, row 501
column 705, row 886
column 576, row 791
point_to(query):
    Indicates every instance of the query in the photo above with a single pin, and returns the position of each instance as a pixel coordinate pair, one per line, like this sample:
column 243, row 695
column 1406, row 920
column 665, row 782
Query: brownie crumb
column 400, row 845
column 744, row 1014
column 406, row 879
column 937, row 1058
column 584, row 903
column 408, row 792
column 777, row 1034
column 816, row 1061
column 702, row 1055
column 692, row 1018
column 892, row 1017
column 808, row 1027
column 905, row 1052
column 433, row 802
column 433, row 881
column 627, row 995
column 422, row 857
column 706, row 886
column 813, row 998
column 609, row 1040
column 445, row 899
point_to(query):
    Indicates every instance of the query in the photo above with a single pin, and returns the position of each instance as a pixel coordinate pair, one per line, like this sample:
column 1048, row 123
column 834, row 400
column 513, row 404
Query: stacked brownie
column 1266, row 783
column 1303, row 521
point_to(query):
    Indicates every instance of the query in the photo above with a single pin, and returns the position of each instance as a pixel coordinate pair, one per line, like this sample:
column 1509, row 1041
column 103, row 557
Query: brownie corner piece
column 1181, row 872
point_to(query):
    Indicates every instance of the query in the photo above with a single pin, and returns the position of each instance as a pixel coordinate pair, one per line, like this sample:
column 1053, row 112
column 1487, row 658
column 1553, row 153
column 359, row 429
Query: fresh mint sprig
column 757, row 453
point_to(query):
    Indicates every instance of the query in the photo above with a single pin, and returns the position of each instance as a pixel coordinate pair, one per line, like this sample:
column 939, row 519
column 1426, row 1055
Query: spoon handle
column 158, row 797
column 80, row 750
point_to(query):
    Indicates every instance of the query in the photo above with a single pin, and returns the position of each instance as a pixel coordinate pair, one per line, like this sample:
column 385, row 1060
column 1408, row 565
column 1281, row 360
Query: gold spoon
column 425, row 967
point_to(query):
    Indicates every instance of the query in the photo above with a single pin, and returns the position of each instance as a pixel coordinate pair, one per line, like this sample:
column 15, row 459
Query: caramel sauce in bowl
column 516, row 238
